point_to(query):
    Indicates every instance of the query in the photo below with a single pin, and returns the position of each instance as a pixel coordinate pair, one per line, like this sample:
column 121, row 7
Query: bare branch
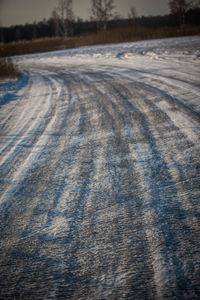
column 102, row 12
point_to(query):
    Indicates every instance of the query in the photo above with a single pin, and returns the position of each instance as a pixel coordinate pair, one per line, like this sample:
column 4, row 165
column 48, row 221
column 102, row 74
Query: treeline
column 46, row 28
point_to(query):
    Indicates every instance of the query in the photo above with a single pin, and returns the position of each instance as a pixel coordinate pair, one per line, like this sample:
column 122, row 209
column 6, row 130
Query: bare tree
column 179, row 9
column 132, row 15
column 102, row 11
column 63, row 18
column 1, row 34
column 34, row 34
column 54, row 23
column 18, row 33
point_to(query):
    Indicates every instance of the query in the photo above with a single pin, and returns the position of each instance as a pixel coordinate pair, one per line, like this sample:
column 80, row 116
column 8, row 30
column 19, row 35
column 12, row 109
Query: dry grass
column 7, row 68
column 35, row 46
column 113, row 36
column 131, row 34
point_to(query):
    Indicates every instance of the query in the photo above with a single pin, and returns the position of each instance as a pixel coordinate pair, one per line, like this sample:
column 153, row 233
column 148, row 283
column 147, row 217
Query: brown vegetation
column 7, row 68
column 129, row 34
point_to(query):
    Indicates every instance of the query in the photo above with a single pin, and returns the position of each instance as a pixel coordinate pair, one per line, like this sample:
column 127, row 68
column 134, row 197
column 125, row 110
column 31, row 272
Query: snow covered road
column 99, row 173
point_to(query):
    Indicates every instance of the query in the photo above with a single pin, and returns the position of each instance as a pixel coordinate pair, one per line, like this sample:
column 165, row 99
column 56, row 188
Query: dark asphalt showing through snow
column 99, row 184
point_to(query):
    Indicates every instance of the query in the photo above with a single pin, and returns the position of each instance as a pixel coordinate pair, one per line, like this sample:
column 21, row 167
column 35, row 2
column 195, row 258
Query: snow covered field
column 99, row 173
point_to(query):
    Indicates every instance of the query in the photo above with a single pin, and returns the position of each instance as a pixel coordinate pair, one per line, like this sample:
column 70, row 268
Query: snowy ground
column 99, row 173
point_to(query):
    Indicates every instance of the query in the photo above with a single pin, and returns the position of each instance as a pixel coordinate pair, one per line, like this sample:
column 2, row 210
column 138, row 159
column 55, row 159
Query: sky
column 16, row 12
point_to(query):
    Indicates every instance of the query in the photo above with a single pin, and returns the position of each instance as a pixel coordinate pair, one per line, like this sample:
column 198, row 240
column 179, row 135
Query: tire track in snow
column 24, row 128
column 20, row 157
column 152, row 114
column 154, row 171
column 107, row 207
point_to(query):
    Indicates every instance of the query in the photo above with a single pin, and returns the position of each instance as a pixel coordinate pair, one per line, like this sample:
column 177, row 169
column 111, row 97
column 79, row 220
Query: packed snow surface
column 99, row 173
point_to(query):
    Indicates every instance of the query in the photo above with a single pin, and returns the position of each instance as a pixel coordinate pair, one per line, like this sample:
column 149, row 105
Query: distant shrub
column 7, row 68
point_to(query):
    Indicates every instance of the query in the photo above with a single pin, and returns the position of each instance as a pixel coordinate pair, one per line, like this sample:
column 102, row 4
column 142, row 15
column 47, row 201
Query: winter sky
column 14, row 12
